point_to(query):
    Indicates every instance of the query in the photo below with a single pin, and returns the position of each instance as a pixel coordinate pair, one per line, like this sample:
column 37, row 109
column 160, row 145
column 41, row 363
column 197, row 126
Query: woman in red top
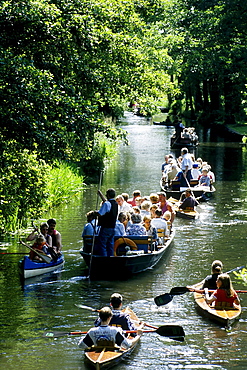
column 223, row 293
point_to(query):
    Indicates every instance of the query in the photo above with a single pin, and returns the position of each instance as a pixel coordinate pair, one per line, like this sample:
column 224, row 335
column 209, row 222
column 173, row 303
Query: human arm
column 85, row 342
column 33, row 234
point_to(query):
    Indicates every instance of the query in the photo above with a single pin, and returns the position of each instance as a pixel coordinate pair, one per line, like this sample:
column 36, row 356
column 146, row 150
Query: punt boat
column 187, row 214
column 177, row 143
column 175, row 191
column 125, row 263
column 224, row 316
column 104, row 357
column 29, row 268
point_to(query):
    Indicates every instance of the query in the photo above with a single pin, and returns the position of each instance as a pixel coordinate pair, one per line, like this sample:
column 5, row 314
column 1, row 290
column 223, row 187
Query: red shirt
column 220, row 295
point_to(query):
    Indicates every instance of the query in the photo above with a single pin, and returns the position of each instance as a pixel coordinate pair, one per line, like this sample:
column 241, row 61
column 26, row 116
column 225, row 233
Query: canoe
column 29, row 268
column 105, row 357
column 187, row 214
column 225, row 316
column 175, row 191
column 126, row 264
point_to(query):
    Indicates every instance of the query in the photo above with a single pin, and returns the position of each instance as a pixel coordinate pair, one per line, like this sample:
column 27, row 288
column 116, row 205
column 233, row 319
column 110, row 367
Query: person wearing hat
column 195, row 173
column 189, row 202
column 119, row 318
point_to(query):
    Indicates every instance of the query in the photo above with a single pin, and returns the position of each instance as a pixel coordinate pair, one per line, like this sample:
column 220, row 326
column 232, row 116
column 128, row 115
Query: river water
column 47, row 303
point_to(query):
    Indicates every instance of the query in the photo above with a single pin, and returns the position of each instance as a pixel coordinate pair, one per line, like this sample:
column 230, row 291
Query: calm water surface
column 47, row 303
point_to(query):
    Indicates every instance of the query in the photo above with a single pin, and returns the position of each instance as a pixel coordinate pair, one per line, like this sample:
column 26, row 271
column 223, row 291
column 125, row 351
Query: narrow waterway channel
column 47, row 303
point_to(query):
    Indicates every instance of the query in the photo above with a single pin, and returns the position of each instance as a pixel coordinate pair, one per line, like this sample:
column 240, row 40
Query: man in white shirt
column 122, row 205
column 186, row 167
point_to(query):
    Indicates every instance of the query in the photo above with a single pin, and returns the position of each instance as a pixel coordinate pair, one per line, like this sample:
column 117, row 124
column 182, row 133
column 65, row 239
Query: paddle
column 165, row 298
column 174, row 332
column 94, row 310
column 45, row 258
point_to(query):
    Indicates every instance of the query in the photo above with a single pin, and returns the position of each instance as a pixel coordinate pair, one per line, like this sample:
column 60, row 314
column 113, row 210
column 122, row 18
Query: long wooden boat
column 175, row 191
column 225, row 316
column 177, row 143
column 104, row 357
column 126, row 264
column 29, row 268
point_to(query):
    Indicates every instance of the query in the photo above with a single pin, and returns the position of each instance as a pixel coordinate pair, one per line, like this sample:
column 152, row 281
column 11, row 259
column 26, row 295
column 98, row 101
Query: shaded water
column 47, row 303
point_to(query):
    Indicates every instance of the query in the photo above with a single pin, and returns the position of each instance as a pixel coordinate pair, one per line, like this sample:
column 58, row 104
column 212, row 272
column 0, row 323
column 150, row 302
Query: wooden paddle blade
column 163, row 299
column 86, row 307
column 175, row 332
column 179, row 290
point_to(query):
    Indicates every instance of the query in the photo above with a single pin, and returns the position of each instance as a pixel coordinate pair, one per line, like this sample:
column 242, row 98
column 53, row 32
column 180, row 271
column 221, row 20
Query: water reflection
column 47, row 303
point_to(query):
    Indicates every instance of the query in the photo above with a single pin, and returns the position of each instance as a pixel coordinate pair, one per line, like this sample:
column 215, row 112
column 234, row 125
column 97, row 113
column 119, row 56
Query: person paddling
column 210, row 280
column 224, row 295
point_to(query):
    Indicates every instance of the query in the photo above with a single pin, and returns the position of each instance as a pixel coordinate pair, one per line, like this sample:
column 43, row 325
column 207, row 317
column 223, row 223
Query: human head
column 138, row 201
column 136, row 210
column 162, row 196
column 122, row 217
column 136, row 193
column 52, row 224
column 154, row 198
column 195, row 165
column 184, row 151
column 158, row 213
column 44, row 227
column 225, row 282
column 217, row 266
column 147, row 222
column 120, row 200
column 136, row 218
column 110, row 193
column 40, row 239
column 153, row 209
column 204, row 171
column 167, row 215
column 90, row 216
column 187, row 193
column 116, row 300
column 146, row 205
column 105, row 313
column 125, row 196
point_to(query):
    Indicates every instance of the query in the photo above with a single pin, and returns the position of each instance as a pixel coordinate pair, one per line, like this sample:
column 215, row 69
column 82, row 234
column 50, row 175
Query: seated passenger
column 136, row 209
column 145, row 208
column 55, row 236
column 204, row 179
column 136, row 228
column 123, row 206
column 132, row 201
column 189, row 202
column 160, row 223
column 151, row 231
column 41, row 246
column 195, row 173
column 154, row 198
column 153, row 209
column 43, row 231
column 91, row 227
column 224, row 292
column 104, row 334
column 210, row 280
column 119, row 227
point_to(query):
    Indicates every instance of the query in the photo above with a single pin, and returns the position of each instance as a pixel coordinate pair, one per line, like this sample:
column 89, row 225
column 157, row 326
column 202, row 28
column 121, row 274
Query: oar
column 95, row 310
column 165, row 298
column 45, row 258
column 175, row 332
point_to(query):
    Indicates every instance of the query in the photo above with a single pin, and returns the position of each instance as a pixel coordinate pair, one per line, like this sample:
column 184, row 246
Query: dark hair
column 136, row 193
column 122, row 217
column 125, row 196
column 51, row 221
column 105, row 313
column 158, row 212
column 184, row 150
column 110, row 193
column 115, row 300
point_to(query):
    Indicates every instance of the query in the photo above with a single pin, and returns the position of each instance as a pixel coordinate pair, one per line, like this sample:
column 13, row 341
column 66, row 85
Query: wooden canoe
column 190, row 215
column 106, row 357
column 225, row 316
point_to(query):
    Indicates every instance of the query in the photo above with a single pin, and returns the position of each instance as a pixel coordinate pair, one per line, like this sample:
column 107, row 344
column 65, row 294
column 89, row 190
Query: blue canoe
column 31, row 268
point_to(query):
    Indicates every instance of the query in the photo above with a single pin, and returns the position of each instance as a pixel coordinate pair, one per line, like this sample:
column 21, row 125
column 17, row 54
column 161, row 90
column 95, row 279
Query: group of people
column 221, row 285
column 109, row 327
column 47, row 240
column 123, row 216
column 186, row 168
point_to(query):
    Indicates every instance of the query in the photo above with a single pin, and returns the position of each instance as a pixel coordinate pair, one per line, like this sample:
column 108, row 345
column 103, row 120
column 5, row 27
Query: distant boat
column 177, row 142
column 29, row 268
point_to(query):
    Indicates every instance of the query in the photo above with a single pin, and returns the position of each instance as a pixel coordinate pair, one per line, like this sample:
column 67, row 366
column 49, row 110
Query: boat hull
column 224, row 317
column 105, row 358
column 122, row 267
column 198, row 191
column 29, row 268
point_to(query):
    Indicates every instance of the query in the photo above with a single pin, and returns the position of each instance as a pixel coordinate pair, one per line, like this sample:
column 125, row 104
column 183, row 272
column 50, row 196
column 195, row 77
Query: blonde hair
column 167, row 215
